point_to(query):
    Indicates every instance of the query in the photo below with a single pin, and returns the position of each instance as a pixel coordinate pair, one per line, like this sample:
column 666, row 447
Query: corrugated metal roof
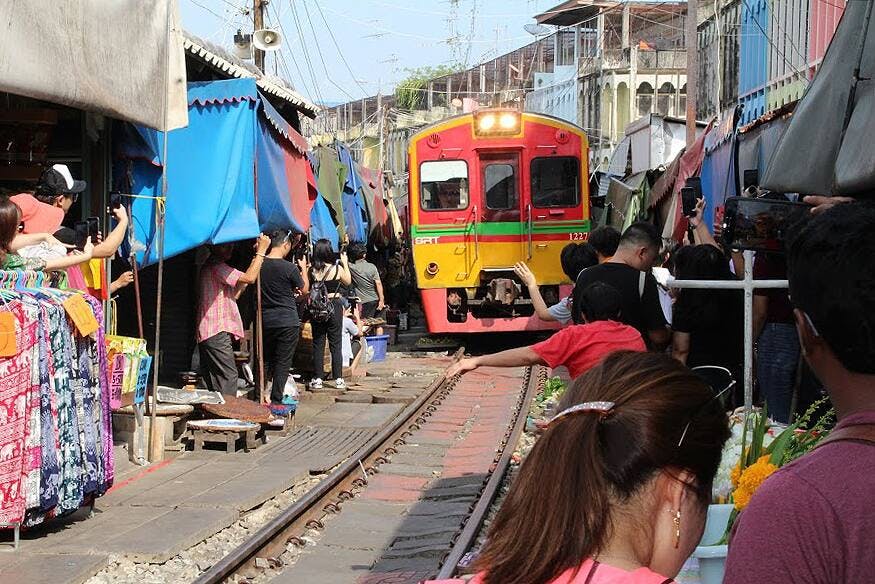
column 235, row 67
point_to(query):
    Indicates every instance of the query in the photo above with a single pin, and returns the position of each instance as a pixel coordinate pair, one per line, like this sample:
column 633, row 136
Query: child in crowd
column 578, row 347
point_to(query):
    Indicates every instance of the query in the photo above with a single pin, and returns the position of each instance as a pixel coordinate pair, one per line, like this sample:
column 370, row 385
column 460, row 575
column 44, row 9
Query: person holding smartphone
column 328, row 274
column 281, row 281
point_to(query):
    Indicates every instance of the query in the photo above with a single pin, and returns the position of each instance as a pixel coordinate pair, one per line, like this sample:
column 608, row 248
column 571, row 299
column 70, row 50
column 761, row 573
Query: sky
column 369, row 45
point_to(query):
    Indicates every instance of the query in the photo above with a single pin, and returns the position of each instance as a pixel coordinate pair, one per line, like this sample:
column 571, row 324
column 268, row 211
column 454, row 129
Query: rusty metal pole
column 156, row 440
column 136, row 271
column 692, row 70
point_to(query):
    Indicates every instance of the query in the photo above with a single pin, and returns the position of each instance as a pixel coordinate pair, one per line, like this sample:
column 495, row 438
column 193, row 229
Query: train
column 488, row 189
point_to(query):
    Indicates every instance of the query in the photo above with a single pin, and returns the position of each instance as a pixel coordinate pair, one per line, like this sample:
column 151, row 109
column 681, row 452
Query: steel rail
column 536, row 376
column 276, row 533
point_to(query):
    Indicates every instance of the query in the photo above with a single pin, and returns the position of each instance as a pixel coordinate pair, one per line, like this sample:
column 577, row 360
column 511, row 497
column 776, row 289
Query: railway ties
column 413, row 506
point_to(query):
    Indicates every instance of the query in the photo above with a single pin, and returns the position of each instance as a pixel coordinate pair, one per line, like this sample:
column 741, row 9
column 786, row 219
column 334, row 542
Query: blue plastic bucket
column 379, row 344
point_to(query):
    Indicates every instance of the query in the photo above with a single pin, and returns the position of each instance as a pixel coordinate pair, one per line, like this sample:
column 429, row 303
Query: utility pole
column 258, row 24
column 692, row 70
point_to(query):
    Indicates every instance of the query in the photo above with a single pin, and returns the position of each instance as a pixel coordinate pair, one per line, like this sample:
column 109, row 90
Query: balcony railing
column 613, row 59
column 671, row 59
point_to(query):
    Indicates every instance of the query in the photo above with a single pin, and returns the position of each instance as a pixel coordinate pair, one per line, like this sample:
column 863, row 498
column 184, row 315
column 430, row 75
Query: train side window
column 555, row 182
column 500, row 186
column 444, row 185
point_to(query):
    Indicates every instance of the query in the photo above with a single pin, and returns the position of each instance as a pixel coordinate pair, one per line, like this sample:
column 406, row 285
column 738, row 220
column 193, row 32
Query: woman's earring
column 677, row 529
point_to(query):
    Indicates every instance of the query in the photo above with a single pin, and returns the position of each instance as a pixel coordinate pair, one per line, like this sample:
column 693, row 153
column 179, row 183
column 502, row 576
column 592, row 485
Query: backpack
column 319, row 305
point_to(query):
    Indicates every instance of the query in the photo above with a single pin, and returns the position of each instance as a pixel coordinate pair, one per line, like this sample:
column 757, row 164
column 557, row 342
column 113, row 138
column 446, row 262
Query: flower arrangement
column 764, row 447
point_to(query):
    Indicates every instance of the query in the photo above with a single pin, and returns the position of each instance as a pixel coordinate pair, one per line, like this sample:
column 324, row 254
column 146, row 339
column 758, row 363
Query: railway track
column 261, row 553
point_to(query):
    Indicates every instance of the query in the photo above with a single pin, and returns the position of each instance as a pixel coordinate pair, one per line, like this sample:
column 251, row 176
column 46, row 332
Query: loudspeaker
column 267, row 40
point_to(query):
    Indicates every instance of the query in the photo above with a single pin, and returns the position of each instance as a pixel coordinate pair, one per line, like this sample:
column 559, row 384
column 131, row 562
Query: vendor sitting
column 578, row 347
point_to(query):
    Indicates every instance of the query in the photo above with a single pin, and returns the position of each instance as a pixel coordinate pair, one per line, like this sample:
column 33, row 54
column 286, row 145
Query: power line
column 769, row 39
column 292, row 54
column 305, row 52
column 337, row 46
column 319, row 52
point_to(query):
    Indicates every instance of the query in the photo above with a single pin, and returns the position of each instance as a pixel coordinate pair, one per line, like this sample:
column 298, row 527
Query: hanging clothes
column 56, row 449
column 330, row 179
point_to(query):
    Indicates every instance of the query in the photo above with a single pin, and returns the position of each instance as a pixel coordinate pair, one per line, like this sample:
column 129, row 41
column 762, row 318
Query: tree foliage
column 410, row 93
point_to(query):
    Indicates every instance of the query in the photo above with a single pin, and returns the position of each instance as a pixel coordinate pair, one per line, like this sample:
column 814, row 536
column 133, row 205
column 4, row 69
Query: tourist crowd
column 616, row 488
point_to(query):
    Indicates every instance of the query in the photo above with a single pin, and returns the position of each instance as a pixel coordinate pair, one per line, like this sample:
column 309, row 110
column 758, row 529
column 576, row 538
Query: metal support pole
column 748, row 326
column 748, row 285
column 156, row 440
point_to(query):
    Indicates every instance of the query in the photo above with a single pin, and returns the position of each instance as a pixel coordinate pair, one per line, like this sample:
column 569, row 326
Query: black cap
column 57, row 180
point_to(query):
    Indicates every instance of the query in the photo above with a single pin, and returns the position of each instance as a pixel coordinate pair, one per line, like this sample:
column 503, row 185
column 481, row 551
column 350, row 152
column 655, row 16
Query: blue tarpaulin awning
column 211, row 173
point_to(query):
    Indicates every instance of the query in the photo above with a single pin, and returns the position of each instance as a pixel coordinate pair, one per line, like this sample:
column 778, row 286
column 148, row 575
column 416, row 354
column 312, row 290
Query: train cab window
column 444, row 185
column 555, row 182
column 499, row 183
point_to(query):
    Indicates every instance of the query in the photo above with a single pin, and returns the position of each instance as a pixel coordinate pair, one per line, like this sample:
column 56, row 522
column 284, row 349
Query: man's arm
column 680, row 346
column 528, row 278
column 760, row 311
column 110, row 245
column 657, row 330
column 659, row 338
column 381, row 300
column 72, row 259
column 251, row 273
column 303, row 267
column 511, row 358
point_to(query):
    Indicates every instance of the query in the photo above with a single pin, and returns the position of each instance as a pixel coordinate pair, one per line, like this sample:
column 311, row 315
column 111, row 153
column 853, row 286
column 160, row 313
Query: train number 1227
column 577, row 236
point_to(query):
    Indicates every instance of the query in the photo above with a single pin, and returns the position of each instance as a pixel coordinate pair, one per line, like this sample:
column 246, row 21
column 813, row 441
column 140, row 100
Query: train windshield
column 444, row 184
column 555, row 182
column 500, row 185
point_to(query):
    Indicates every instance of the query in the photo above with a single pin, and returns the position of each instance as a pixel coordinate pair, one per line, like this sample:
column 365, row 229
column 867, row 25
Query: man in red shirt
column 578, row 347
column 812, row 521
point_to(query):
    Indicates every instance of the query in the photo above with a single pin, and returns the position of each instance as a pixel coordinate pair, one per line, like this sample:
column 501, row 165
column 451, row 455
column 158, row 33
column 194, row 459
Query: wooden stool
column 224, row 431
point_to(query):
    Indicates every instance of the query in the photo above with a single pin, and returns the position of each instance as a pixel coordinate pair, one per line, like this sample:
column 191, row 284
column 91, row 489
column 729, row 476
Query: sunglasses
column 715, row 377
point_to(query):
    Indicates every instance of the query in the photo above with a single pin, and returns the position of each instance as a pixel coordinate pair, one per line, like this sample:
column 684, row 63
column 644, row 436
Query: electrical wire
column 305, row 52
column 337, row 46
column 320, row 52
column 769, row 39
column 208, row 9
column 301, row 76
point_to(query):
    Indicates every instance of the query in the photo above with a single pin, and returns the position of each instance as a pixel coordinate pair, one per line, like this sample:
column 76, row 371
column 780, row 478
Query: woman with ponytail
column 615, row 491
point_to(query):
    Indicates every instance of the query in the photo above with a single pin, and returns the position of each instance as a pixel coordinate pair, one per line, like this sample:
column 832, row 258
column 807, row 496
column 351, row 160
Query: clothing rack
column 54, row 403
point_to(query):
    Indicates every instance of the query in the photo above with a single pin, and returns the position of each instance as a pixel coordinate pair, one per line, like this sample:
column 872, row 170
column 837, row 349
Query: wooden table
column 224, row 431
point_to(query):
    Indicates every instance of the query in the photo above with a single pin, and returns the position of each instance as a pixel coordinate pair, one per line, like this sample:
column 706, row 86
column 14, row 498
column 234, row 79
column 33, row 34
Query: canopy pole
column 156, row 441
column 259, row 328
column 135, row 269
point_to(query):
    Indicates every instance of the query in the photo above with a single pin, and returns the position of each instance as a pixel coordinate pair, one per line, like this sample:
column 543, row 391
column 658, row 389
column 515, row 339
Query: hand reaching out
column 525, row 274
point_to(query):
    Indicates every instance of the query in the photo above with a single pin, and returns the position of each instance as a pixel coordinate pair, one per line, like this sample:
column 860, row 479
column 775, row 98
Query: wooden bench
column 224, row 431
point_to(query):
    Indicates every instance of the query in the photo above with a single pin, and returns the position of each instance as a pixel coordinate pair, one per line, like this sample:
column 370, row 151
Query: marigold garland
column 750, row 480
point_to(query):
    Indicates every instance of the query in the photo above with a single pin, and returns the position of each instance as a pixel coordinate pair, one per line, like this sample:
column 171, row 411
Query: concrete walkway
column 154, row 513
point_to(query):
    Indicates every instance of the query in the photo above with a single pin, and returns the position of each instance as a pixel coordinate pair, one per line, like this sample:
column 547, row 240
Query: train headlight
column 486, row 123
column 508, row 121
column 497, row 123
column 431, row 269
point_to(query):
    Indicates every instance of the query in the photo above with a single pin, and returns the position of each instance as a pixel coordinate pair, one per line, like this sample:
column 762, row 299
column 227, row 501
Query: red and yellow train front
column 488, row 190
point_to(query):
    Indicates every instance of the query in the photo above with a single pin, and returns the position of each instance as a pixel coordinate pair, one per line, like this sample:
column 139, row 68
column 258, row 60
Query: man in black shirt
column 280, row 280
column 629, row 272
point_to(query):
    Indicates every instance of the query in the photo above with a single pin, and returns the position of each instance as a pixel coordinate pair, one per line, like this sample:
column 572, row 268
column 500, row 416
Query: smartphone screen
column 688, row 199
column 81, row 229
column 93, row 227
column 762, row 224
